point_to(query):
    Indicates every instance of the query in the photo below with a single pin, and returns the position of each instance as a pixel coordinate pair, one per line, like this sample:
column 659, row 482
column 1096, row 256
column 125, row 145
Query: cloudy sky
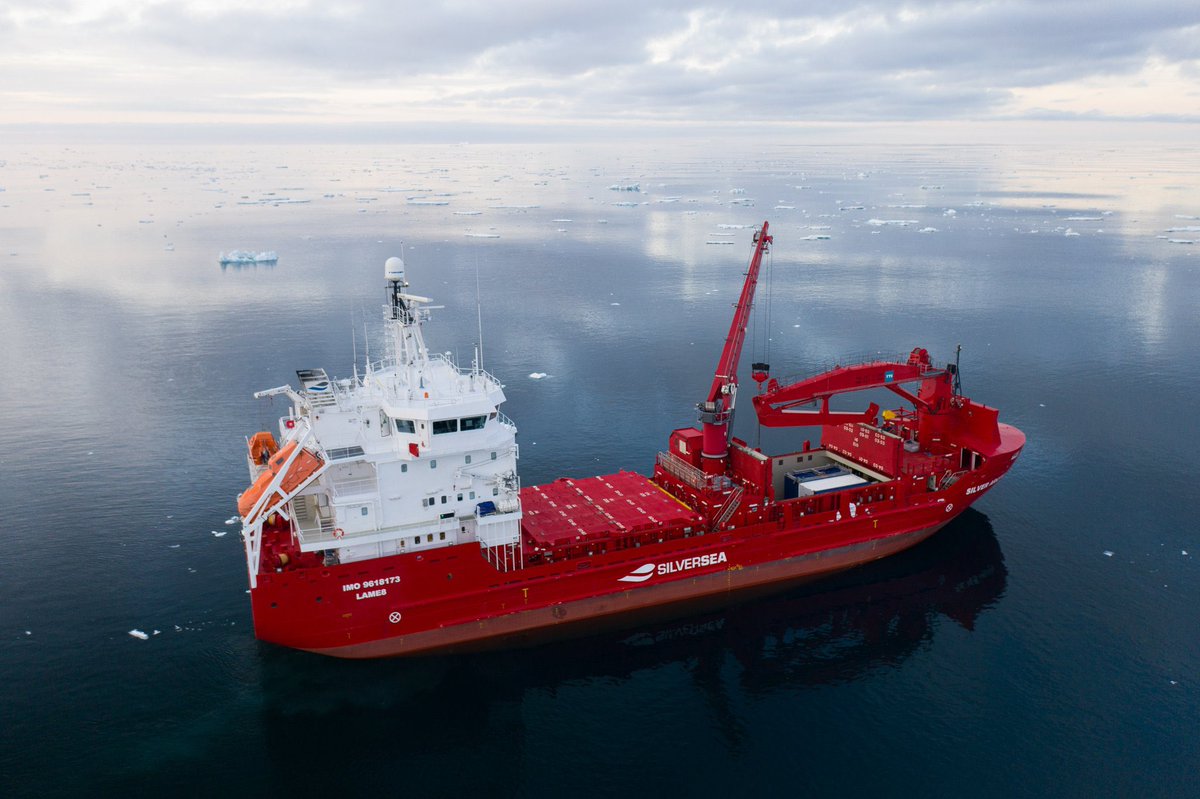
column 557, row 62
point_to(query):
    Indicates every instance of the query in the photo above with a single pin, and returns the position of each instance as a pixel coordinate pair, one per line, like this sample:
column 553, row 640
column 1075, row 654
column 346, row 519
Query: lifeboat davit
column 302, row 468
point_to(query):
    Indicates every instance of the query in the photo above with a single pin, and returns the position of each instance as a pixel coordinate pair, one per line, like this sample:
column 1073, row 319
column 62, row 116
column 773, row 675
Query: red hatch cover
column 592, row 508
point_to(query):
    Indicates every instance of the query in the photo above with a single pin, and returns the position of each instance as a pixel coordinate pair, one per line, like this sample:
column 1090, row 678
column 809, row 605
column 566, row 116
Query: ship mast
column 404, row 317
column 716, row 412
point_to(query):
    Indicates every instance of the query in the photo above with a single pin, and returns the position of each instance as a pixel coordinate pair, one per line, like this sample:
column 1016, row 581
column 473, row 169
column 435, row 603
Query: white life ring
column 338, row 532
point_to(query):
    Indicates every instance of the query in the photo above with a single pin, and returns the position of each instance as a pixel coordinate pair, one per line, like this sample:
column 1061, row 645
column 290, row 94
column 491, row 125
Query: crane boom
column 717, row 411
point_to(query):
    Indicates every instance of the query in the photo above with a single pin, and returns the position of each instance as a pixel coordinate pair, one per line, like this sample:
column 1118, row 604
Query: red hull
column 454, row 600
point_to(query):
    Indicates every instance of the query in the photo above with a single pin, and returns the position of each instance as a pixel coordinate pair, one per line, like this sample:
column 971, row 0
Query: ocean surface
column 1047, row 643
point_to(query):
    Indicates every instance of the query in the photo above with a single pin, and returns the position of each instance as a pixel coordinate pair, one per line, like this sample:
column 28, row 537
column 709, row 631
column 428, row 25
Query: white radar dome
column 393, row 268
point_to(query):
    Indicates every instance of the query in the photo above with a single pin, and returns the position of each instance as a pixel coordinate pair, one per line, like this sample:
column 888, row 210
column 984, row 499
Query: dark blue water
column 1046, row 643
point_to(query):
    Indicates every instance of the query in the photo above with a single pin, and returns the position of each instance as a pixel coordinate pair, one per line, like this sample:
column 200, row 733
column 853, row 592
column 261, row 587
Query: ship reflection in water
column 828, row 631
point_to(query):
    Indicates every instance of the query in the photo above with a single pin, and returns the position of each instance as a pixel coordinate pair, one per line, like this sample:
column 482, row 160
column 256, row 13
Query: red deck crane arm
column 716, row 410
column 726, row 372
column 778, row 406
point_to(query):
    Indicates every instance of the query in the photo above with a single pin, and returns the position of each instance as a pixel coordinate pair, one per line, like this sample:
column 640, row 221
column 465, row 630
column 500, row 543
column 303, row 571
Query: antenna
column 478, row 313
column 354, row 343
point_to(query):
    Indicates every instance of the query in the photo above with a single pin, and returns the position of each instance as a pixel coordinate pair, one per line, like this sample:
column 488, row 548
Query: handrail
column 731, row 504
column 682, row 470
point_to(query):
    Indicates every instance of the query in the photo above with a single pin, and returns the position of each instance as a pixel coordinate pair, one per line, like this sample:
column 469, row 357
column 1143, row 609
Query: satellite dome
column 393, row 268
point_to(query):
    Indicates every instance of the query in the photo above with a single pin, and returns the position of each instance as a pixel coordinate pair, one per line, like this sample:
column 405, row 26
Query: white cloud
column 542, row 61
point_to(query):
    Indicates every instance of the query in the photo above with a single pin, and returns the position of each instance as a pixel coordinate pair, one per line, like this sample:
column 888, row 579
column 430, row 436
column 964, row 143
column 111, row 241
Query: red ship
column 388, row 519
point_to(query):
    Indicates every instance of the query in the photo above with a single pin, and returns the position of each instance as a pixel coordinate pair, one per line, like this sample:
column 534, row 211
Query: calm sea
column 1046, row 643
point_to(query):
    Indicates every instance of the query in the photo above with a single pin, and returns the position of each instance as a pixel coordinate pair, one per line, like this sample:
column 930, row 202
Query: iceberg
column 248, row 257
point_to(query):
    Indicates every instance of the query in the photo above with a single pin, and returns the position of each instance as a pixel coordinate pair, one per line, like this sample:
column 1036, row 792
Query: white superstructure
column 414, row 454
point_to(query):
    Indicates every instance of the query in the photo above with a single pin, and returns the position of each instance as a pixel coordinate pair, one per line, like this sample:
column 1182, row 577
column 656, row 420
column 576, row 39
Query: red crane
column 782, row 405
column 716, row 412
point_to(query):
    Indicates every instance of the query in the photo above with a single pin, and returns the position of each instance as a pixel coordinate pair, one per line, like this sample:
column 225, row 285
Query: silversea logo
column 647, row 570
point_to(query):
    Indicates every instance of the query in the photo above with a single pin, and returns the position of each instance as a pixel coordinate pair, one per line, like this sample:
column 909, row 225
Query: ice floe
column 467, row 213
column 233, row 520
column 537, row 375
column 891, row 222
column 139, row 634
column 218, row 533
column 248, row 257
column 625, row 187
column 482, row 235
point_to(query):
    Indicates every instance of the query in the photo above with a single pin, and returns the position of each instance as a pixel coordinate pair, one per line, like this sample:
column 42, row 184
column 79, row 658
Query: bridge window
column 473, row 423
column 404, row 426
column 445, row 426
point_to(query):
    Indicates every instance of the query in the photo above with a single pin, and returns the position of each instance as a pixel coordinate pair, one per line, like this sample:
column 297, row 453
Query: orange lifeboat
column 301, row 469
column 262, row 446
